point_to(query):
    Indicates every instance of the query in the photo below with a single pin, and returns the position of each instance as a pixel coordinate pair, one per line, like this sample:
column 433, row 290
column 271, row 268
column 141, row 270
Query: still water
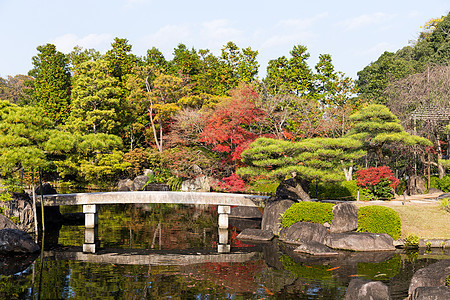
column 170, row 252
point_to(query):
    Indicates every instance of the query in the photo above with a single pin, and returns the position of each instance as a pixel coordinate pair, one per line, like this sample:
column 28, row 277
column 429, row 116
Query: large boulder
column 301, row 232
column 430, row 293
column 198, row 184
column 359, row 289
column 433, row 275
column 16, row 241
column 345, row 218
column 360, row 241
column 272, row 215
column 7, row 223
column 20, row 207
column 416, row 185
column 47, row 189
column 255, row 235
column 315, row 248
column 139, row 183
column 124, row 185
column 245, row 212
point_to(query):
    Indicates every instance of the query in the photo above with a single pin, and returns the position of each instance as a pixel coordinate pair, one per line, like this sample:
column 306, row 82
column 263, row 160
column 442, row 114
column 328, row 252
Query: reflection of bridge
column 153, row 259
column 91, row 200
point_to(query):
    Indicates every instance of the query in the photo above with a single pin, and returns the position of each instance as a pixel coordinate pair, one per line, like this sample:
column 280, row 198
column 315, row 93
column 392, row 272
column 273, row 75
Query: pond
column 170, row 252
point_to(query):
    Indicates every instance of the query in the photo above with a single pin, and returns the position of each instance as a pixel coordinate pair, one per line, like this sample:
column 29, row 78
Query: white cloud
column 218, row 32
column 65, row 43
column 293, row 31
column 166, row 38
column 366, row 20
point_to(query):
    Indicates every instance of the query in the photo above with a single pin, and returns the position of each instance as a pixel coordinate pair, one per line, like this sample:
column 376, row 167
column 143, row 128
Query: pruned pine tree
column 375, row 126
column 310, row 159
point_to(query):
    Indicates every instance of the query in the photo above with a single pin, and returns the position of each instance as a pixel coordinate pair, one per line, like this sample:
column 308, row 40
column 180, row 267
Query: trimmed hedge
column 314, row 212
column 379, row 219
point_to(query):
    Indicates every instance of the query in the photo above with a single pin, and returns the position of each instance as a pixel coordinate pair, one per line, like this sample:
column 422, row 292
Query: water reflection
column 184, row 264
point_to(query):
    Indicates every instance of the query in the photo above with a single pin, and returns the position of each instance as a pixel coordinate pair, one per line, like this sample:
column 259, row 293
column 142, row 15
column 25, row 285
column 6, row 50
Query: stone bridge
column 90, row 202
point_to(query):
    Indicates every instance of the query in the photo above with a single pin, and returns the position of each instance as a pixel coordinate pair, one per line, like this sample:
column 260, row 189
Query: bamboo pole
column 34, row 205
column 42, row 201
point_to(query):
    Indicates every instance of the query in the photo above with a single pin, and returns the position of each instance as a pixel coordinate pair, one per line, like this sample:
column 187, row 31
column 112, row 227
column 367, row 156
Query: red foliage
column 372, row 176
column 228, row 128
column 233, row 183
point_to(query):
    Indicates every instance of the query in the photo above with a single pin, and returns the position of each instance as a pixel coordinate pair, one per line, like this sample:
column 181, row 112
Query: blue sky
column 355, row 33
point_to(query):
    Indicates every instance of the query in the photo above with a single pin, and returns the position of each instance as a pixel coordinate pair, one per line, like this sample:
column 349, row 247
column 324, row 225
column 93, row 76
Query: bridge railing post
column 224, row 211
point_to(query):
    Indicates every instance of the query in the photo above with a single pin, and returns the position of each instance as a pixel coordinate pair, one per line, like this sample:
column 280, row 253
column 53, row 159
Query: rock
column 272, row 215
column 283, row 193
column 345, row 218
column 315, row 248
column 416, row 185
column 52, row 214
column 7, row 223
column 434, row 190
column 255, row 235
column 360, row 241
column 430, row 293
column 124, row 185
column 162, row 187
column 16, row 241
column 301, row 232
column 47, row 189
column 433, row 275
column 198, row 184
column 139, row 183
column 245, row 212
column 359, row 289
column 20, row 207
column 434, row 243
column 148, row 173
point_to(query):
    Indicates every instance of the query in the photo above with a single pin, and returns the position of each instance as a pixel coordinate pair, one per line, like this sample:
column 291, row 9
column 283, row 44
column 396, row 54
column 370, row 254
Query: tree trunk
column 441, row 169
column 298, row 189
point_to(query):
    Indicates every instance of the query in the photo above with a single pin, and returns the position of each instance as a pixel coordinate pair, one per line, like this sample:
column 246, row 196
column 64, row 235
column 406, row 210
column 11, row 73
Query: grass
column 425, row 221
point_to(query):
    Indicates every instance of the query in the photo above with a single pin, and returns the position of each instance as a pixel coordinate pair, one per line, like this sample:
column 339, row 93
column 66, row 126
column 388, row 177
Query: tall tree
column 16, row 89
column 52, row 82
column 373, row 79
column 119, row 58
column 23, row 132
column 292, row 75
column 422, row 102
column 233, row 124
column 95, row 99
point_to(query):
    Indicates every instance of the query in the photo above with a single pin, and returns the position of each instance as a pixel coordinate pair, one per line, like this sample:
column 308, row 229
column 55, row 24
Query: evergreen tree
column 310, row 159
column 52, row 82
column 375, row 126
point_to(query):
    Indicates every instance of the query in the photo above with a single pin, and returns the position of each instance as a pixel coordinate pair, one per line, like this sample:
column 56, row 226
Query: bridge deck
column 145, row 197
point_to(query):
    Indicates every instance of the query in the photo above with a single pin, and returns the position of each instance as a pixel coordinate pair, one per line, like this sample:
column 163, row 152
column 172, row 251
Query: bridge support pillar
column 90, row 215
column 223, row 246
column 91, row 242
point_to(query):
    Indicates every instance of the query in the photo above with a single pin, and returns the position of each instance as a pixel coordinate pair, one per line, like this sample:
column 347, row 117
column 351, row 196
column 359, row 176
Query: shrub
column 412, row 241
column 447, row 281
column 378, row 183
column 444, row 183
column 344, row 190
column 445, row 204
column 379, row 219
column 314, row 212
